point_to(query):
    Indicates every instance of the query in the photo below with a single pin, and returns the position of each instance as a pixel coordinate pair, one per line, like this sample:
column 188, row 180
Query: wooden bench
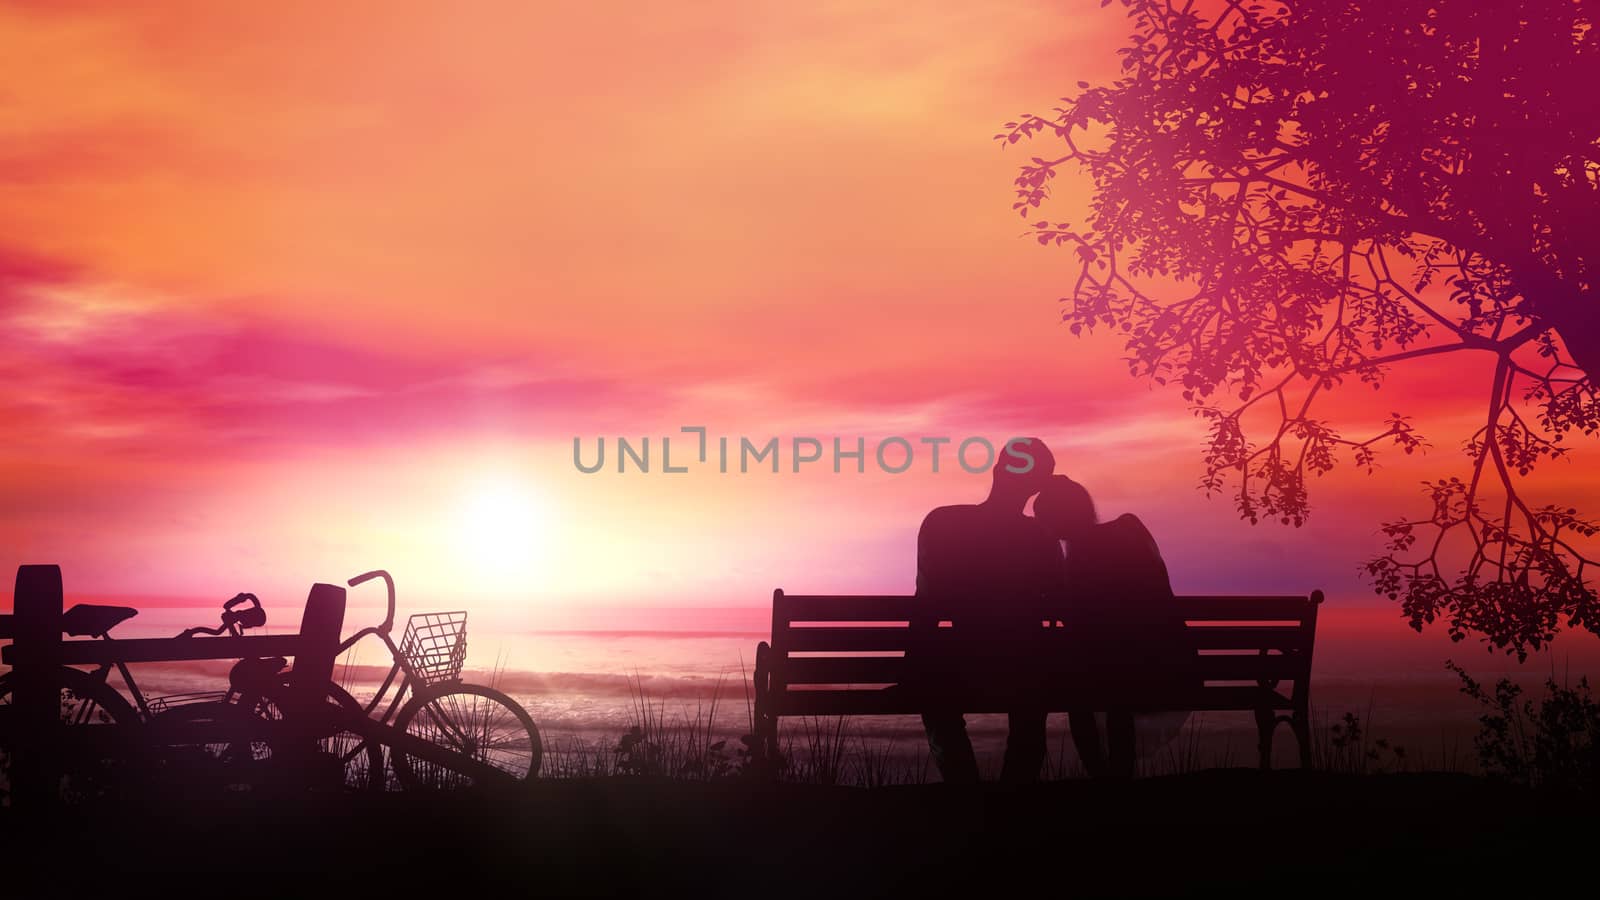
column 854, row 655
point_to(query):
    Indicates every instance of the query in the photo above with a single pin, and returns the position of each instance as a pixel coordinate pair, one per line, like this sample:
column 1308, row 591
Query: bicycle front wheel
column 478, row 722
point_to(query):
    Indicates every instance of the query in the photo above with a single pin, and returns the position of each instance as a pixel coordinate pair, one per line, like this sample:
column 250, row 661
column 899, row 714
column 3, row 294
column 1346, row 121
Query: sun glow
column 501, row 530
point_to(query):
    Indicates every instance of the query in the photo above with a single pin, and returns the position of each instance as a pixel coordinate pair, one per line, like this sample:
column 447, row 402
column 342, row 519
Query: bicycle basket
column 435, row 645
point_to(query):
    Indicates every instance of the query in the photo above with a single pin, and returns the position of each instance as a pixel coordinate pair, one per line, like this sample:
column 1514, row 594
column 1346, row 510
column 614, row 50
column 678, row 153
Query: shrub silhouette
column 1554, row 744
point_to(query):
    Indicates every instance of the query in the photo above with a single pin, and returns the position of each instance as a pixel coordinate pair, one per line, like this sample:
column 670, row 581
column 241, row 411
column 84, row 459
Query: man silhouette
column 985, row 567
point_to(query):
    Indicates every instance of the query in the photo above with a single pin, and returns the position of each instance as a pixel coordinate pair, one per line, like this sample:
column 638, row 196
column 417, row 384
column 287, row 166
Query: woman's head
column 1064, row 507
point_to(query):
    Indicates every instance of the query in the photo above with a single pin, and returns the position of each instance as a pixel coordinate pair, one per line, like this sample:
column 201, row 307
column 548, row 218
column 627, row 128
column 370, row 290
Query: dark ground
column 1223, row 832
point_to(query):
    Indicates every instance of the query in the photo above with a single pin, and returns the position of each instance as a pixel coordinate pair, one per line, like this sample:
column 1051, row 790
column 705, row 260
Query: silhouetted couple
column 998, row 576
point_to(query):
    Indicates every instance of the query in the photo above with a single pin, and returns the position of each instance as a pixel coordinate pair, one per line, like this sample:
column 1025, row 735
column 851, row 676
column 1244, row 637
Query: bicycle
column 143, row 737
column 448, row 734
column 477, row 723
column 485, row 735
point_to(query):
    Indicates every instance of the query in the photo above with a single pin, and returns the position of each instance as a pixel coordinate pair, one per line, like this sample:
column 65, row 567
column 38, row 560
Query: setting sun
column 500, row 529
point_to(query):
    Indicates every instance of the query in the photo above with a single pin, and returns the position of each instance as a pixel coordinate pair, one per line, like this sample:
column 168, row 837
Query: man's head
column 1024, row 468
column 1064, row 508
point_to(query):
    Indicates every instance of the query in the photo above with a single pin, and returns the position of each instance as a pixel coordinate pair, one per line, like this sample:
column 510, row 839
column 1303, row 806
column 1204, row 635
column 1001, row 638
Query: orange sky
column 296, row 290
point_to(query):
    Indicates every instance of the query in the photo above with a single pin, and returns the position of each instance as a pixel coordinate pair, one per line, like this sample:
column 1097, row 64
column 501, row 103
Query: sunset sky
column 291, row 291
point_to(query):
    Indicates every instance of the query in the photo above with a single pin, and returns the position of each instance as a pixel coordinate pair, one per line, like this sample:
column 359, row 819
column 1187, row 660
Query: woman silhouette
column 1124, row 626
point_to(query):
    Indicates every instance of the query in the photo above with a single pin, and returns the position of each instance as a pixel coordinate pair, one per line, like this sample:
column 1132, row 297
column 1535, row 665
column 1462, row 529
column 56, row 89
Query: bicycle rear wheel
column 478, row 722
column 224, row 744
column 209, row 745
column 92, row 770
column 354, row 762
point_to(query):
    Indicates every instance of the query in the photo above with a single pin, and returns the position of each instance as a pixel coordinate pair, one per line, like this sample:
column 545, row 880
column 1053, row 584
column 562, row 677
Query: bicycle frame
column 399, row 665
column 382, row 631
column 141, row 705
column 410, row 683
column 103, row 673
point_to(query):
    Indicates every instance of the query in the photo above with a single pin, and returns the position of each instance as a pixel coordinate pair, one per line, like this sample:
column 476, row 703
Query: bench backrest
column 864, row 640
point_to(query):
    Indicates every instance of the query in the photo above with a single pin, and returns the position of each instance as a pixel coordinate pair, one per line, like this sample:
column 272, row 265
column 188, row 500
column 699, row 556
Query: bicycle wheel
column 88, row 771
column 476, row 721
column 201, row 744
column 345, row 759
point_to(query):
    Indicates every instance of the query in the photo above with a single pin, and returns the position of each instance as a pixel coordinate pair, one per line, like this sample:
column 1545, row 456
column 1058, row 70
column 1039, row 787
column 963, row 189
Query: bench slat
column 842, row 608
column 1252, row 667
column 895, row 701
column 1267, row 637
column 842, row 639
column 1264, row 609
column 844, row 670
column 846, row 638
column 894, row 669
column 897, row 608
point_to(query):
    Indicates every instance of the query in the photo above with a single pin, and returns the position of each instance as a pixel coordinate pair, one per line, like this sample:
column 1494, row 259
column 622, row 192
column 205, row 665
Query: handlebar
column 388, row 620
column 234, row 621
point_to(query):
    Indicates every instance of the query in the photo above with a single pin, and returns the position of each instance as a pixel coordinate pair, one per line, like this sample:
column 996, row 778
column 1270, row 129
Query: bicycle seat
column 89, row 620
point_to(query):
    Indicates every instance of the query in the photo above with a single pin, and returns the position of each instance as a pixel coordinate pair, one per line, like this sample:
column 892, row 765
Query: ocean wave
column 610, row 633
column 726, row 687
column 594, row 684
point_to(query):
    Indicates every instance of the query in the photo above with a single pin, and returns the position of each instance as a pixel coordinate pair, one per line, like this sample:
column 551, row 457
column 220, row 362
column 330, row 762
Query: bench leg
column 1266, row 723
column 769, row 739
column 764, row 752
column 1301, row 725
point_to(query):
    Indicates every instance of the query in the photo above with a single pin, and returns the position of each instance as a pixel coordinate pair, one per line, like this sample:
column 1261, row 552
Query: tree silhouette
column 1291, row 197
